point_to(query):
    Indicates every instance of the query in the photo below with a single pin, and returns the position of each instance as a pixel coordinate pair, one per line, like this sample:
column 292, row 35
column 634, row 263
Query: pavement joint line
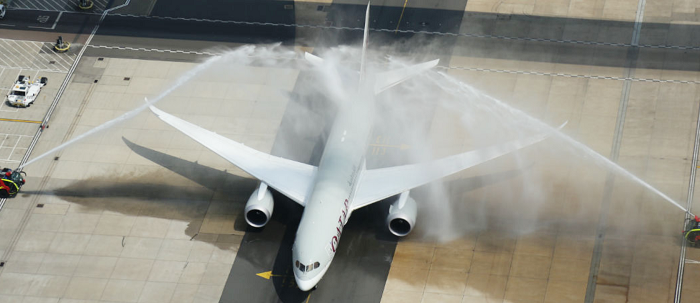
column 689, row 206
column 3, row 62
column 34, row 68
column 571, row 75
column 21, row 54
column 39, row 131
column 36, row 59
column 24, row 44
column 451, row 67
column 567, row 41
column 56, row 6
column 33, row 48
column 631, row 59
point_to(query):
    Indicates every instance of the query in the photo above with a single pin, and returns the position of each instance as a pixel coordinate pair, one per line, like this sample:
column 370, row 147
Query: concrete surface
column 116, row 223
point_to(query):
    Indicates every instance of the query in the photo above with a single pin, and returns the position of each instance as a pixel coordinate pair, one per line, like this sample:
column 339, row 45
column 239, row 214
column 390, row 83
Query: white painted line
column 468, row 35
column 13, row 148
column 57, row 56
column 60, row 61
column 19, row 52
column 57, row 7
column 54, row 23
column 568, row 75
column 46, row 8
column 33, row 47
column 4, row 139
column 3, row 60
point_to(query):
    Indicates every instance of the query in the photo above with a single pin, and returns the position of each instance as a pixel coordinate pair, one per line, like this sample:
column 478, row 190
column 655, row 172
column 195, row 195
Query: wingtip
column 154, row 110
column 434, row 63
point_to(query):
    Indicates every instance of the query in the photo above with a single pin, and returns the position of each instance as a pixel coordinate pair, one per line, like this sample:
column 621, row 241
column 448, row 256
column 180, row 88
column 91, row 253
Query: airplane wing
column 291, row 178
column 378, row 184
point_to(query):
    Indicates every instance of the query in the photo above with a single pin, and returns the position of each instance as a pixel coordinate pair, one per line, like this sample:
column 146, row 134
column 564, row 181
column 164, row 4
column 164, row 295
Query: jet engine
column 402, row 215
column 259, row 208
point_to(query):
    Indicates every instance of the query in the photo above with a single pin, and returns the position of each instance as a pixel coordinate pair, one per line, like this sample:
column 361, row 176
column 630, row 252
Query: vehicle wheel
column 44, row 80
column 4, row 193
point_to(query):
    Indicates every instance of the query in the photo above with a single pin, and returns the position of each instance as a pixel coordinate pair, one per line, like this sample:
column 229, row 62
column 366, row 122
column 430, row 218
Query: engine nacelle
column 258, row 210
column 402, row 215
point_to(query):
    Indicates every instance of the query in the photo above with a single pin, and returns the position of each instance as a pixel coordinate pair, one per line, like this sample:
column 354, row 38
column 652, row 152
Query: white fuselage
column 329, row 206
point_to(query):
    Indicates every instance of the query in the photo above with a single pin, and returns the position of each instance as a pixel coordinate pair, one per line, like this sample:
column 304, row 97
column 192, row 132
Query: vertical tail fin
column 365, row 39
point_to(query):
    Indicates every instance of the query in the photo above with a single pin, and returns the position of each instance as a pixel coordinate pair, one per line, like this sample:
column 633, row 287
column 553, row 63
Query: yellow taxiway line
column 20, row 120
column 401, row 17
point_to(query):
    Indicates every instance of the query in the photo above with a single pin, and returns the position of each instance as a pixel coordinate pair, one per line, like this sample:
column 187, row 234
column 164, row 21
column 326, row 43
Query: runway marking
column 689, row 206
column 401, row 17
column 20, row 120
column 34, row 55
column 629, row 71
column 157, row 50
column 54, row 23
column 9, row 143
column 441, row 67
column 57, row 6
column 565, row 41
column 571, row 75
column 267, row 275
column 10, row 248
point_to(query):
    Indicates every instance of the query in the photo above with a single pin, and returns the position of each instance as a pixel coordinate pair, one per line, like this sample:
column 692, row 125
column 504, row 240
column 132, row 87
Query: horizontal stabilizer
column 388, row 79
column 315, row 60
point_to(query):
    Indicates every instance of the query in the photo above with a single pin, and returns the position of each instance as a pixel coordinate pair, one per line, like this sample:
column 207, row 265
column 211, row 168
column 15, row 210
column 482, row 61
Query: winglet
column 155, row 110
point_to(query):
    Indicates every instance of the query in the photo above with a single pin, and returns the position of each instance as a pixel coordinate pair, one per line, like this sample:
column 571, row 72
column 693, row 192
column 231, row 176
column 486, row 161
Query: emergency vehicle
column 10, row 183
column 24, row 92
column 692, row 231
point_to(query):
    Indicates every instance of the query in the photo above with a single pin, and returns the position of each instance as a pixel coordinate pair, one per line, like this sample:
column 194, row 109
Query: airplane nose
column 304, row 285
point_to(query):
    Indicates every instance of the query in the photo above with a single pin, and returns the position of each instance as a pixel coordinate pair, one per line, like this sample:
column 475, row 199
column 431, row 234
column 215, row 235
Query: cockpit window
column 306, row 268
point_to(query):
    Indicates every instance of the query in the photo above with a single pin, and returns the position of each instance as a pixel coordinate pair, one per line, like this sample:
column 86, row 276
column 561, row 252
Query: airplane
column 341, row 184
